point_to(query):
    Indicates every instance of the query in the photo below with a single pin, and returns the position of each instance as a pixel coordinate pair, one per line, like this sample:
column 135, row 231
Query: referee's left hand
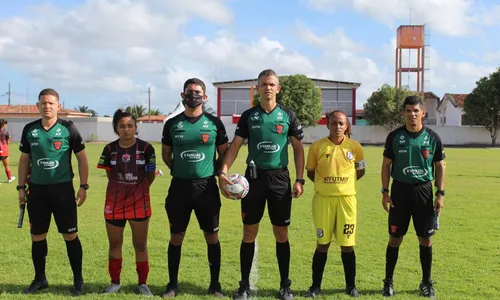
column 297, row 190
column 81, row 196
column 439, row 203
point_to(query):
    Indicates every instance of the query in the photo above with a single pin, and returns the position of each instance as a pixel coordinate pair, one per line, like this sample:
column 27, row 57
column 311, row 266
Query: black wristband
column 21, row 187
column 84, row 186
column 300, row 180
column 440, row 192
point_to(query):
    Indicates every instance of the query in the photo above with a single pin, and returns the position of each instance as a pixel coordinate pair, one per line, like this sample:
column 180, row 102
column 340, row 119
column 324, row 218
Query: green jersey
column 267, row 135
column 194, row 142
column 50, row 150
column 413, row 154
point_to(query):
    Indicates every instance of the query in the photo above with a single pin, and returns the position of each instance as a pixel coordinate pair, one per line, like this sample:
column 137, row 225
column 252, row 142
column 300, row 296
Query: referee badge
column 279, row 129
column 425, row 153
column 205, row 137
column 349, row 155
column 57, row 145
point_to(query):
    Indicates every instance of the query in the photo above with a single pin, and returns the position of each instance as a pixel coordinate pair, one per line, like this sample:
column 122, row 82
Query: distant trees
column 87, row 110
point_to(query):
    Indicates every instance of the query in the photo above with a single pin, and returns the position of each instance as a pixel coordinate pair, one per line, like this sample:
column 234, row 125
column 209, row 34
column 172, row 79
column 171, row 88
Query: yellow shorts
column 335, row 215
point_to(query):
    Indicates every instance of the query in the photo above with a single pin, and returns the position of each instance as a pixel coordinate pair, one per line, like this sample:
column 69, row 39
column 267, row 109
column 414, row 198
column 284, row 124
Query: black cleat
column 36, row 285
column 352, row 291
column 313, row 292
column 427, row 290
column 388, row 290
column 78, row 288
column 243, row 292
column 215, row 290
column 285, row 291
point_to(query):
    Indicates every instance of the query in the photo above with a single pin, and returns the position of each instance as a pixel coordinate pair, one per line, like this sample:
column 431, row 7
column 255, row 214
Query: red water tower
column 411, row 37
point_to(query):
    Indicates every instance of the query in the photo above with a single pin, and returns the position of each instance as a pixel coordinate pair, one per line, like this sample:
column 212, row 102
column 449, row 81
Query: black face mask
column 193, row 100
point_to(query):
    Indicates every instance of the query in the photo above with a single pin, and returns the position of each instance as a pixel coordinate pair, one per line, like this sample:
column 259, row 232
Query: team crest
column 279, row 129
column 205, row 137
column 349, row 155
column 425, row 153
column 320, row 233
column 126, row 158
column 394, row 228
column 57, row 145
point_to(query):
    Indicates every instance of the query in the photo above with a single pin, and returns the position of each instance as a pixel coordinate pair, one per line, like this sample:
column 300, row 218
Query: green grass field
column 466, row 249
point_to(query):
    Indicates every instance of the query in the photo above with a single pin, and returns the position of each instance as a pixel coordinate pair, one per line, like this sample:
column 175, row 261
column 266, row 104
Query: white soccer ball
column 239, row 188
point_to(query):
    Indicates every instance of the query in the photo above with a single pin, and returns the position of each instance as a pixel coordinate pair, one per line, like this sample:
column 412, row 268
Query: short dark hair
column 48, row 92
column 195, row 81
column 348, row 130
column 120, row 114
column 413, row 100
column 268, row 72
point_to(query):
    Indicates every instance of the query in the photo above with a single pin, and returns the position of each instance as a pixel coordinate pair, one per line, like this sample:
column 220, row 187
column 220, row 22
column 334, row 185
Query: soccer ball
column 239, row 188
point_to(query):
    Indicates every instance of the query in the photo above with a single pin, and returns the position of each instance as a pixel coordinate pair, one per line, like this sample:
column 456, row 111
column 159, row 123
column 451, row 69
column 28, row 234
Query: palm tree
column 156, row 112
column 85, row 109
column 136, row 110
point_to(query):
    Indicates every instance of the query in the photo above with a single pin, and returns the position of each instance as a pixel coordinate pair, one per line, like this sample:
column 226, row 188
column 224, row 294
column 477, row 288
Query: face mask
column 193, row 100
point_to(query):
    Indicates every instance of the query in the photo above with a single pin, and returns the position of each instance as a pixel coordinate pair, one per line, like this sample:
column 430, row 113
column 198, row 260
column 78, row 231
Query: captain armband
column 360, row 165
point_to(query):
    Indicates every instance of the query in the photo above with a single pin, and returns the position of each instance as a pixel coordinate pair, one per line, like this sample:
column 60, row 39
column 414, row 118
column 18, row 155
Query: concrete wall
column 100, row 129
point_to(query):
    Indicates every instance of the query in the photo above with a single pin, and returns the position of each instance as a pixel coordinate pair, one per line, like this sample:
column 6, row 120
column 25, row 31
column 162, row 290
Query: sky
column 105, row 54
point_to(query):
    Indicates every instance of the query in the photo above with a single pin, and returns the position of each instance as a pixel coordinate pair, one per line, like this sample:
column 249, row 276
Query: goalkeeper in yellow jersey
column 334, row 164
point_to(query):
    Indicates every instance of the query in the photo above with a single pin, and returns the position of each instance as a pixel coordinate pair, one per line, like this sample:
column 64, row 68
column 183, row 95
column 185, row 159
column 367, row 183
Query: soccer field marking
column 254, row 272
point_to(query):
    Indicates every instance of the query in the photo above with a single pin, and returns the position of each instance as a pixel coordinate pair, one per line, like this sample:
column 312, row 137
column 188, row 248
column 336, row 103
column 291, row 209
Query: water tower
column 411, row 37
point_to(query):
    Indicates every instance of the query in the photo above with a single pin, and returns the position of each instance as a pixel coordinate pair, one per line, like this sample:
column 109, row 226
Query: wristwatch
column 300, row 180
column 21, row 187
column 384, row 190
column 84, row 186
column 439, row 192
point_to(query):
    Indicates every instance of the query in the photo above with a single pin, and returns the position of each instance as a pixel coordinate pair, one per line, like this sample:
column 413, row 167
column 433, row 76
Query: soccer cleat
column 352, row 291
column 388, row 290
column 36, row 285
column 285, row 291
column 12, row 178
column 78, row 288
column 112, row 288
column 171, row 291
column 143, row 289
column 427, row 290
column 160, row 173
column 243, row 292
column 215, row 290
column 313, row 292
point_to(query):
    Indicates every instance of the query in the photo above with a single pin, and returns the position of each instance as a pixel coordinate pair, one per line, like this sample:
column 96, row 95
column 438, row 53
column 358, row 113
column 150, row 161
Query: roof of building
column 459, row 99
column 430, row 95
column 153, row 118
column 250, row 82
column 33, row 109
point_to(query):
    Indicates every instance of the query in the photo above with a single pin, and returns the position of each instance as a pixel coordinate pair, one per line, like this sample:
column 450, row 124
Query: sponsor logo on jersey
column 280, row 115
column 415, row 171
column 180, row 125
column 335, row 179
column 57, row 145
column 47, row 164
column 205, row 124
column 268, row 147
column 279, row 129
column 192, row 156
column 58, row 133
column 402, row 139
column 425, row 153
column 205, row 137
column 130, row 177
column 34, row 133
column 126, row 158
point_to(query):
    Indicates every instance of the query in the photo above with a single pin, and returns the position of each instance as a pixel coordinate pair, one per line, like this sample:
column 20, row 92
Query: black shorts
column 273, row 186
column 200, row 195
column 3, row 158
column 412, row 201
column 57, row 199
column 122, row 222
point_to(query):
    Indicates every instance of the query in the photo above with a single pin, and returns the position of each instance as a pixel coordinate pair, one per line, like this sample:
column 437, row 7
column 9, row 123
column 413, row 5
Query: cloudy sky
column 106, row 53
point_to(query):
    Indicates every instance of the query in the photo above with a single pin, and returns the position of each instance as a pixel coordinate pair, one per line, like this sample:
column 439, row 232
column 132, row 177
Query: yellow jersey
column 335, row 166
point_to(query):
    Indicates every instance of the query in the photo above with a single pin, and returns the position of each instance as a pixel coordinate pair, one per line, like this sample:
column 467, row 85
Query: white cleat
column 112, row 288
column 143, row 289
column 160, row 172
column 12, row 178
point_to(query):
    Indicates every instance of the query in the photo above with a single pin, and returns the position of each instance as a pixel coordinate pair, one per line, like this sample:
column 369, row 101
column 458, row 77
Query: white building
column 234, row 97
column 450, row 110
